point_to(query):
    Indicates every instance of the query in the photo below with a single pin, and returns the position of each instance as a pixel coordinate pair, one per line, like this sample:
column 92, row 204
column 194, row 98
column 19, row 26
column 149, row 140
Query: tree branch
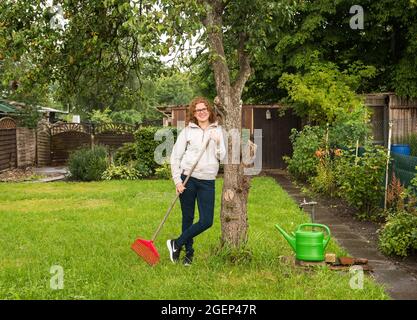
column 214, row 23
column 244, row 65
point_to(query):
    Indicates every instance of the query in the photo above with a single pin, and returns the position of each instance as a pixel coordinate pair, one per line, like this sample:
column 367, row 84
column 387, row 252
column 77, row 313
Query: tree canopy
column 387, row 42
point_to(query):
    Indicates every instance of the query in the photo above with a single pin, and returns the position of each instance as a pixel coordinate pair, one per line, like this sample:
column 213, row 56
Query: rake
column 146, row 248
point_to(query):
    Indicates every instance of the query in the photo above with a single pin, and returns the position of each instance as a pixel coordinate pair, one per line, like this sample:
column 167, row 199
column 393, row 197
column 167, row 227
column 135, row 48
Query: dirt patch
column 19, row 175
column 26, row 174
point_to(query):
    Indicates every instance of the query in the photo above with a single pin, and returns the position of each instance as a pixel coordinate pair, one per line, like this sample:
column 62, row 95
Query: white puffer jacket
column 188, row 147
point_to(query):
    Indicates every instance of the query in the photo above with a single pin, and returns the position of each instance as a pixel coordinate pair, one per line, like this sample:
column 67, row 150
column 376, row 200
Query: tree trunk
column 234, row 218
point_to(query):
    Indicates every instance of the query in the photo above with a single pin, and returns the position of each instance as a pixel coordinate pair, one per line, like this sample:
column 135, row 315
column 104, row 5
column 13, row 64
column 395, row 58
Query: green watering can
column 308, row 245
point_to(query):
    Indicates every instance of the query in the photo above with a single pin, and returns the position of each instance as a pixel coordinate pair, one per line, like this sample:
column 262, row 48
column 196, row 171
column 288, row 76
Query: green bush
column 350, row 128
column 146, row 145
column 142, row 168
column 122, row 172
column 303, row 163
column 325, row 180
column 163, row 172
column 126, row 116
column 29, row 117
column 399, row 235
column 126, row 153
column 361, row 180
column 88, row 164
column 325, row 93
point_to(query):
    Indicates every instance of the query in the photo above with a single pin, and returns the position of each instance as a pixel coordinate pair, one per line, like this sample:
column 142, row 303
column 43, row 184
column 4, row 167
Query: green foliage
column 163, row 172
column 399, row 235
column 326, row 95
column 142, row 168
column 121, row 172
column 361, row 180
column 88, row 164
column 303, row 163
column 29, row 117
column 98, row 59
column 127, row 116
column 99, row 116
column 126, row 153
column 325, row 181
column 387, row 43
column 350, row 128
column 174, row 89
column 146, row 145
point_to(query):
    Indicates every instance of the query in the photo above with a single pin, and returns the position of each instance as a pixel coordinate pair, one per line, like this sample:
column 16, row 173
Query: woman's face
column 201, row 112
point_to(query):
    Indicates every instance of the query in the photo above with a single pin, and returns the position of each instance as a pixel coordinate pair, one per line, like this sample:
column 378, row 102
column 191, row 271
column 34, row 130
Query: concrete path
column 51, row 173
column 398, row 278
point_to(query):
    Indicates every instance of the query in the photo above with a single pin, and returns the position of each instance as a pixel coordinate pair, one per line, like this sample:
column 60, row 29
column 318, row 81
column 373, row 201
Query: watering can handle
column 316, row 225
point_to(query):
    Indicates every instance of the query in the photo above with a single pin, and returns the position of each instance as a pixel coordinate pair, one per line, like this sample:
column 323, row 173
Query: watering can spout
column 291, row 240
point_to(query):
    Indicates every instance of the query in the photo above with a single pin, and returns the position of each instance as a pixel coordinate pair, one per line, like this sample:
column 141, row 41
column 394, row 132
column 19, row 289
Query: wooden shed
column 276, row 122
column 173, row 115
column 388, row 107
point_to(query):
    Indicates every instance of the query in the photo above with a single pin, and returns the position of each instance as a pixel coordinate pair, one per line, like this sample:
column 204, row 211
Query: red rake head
column 146, row 250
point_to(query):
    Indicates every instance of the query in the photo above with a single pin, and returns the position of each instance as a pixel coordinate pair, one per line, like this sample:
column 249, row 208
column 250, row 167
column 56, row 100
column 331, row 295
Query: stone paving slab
column 345, row 235
column 50, row 179
column 50, row 170
column 399, row 284
column 52, row 173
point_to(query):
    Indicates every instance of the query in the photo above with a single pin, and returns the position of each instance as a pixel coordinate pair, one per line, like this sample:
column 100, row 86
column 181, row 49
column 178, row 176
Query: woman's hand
column 180, row 187
column 215, row 136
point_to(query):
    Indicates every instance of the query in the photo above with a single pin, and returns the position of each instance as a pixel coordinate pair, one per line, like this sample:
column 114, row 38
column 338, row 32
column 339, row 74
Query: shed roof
column 47, row 109
column 6, row 107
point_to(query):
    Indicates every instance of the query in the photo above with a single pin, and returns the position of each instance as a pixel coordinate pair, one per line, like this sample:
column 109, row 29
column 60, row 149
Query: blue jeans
column 203, row 191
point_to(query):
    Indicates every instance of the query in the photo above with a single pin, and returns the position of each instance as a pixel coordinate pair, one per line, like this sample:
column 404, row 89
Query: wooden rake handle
column 177, row 196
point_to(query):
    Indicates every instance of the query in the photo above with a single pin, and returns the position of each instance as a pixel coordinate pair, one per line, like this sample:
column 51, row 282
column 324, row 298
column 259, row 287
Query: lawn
column 87, row 229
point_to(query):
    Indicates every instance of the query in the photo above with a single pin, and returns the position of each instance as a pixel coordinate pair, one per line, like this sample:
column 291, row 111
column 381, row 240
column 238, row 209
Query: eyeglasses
column 200, row 110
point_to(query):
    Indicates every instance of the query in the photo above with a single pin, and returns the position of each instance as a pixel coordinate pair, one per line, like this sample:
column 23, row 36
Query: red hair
column 191, row 110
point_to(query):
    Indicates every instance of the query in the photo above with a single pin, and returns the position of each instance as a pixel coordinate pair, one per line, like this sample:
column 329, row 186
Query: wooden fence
column 386, row 107
column 52, row 145
column 26, row 146
column 68, row 137
column 8, row 146
column 43, row 144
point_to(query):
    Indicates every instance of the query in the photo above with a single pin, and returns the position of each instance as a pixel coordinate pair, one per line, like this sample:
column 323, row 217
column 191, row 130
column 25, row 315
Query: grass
column 87, row 228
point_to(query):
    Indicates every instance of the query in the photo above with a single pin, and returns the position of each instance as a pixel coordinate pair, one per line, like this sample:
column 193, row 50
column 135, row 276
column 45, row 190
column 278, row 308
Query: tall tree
column 234, row 32
column 95, row 52
column 386, row 42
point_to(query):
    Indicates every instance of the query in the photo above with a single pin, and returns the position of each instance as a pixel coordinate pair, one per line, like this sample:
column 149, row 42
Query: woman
column 202, row 126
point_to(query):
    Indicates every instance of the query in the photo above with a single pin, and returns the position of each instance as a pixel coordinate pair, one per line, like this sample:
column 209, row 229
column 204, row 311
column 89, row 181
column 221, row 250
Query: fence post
column 92, row 133
column 387, row 167
column 356, row 152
